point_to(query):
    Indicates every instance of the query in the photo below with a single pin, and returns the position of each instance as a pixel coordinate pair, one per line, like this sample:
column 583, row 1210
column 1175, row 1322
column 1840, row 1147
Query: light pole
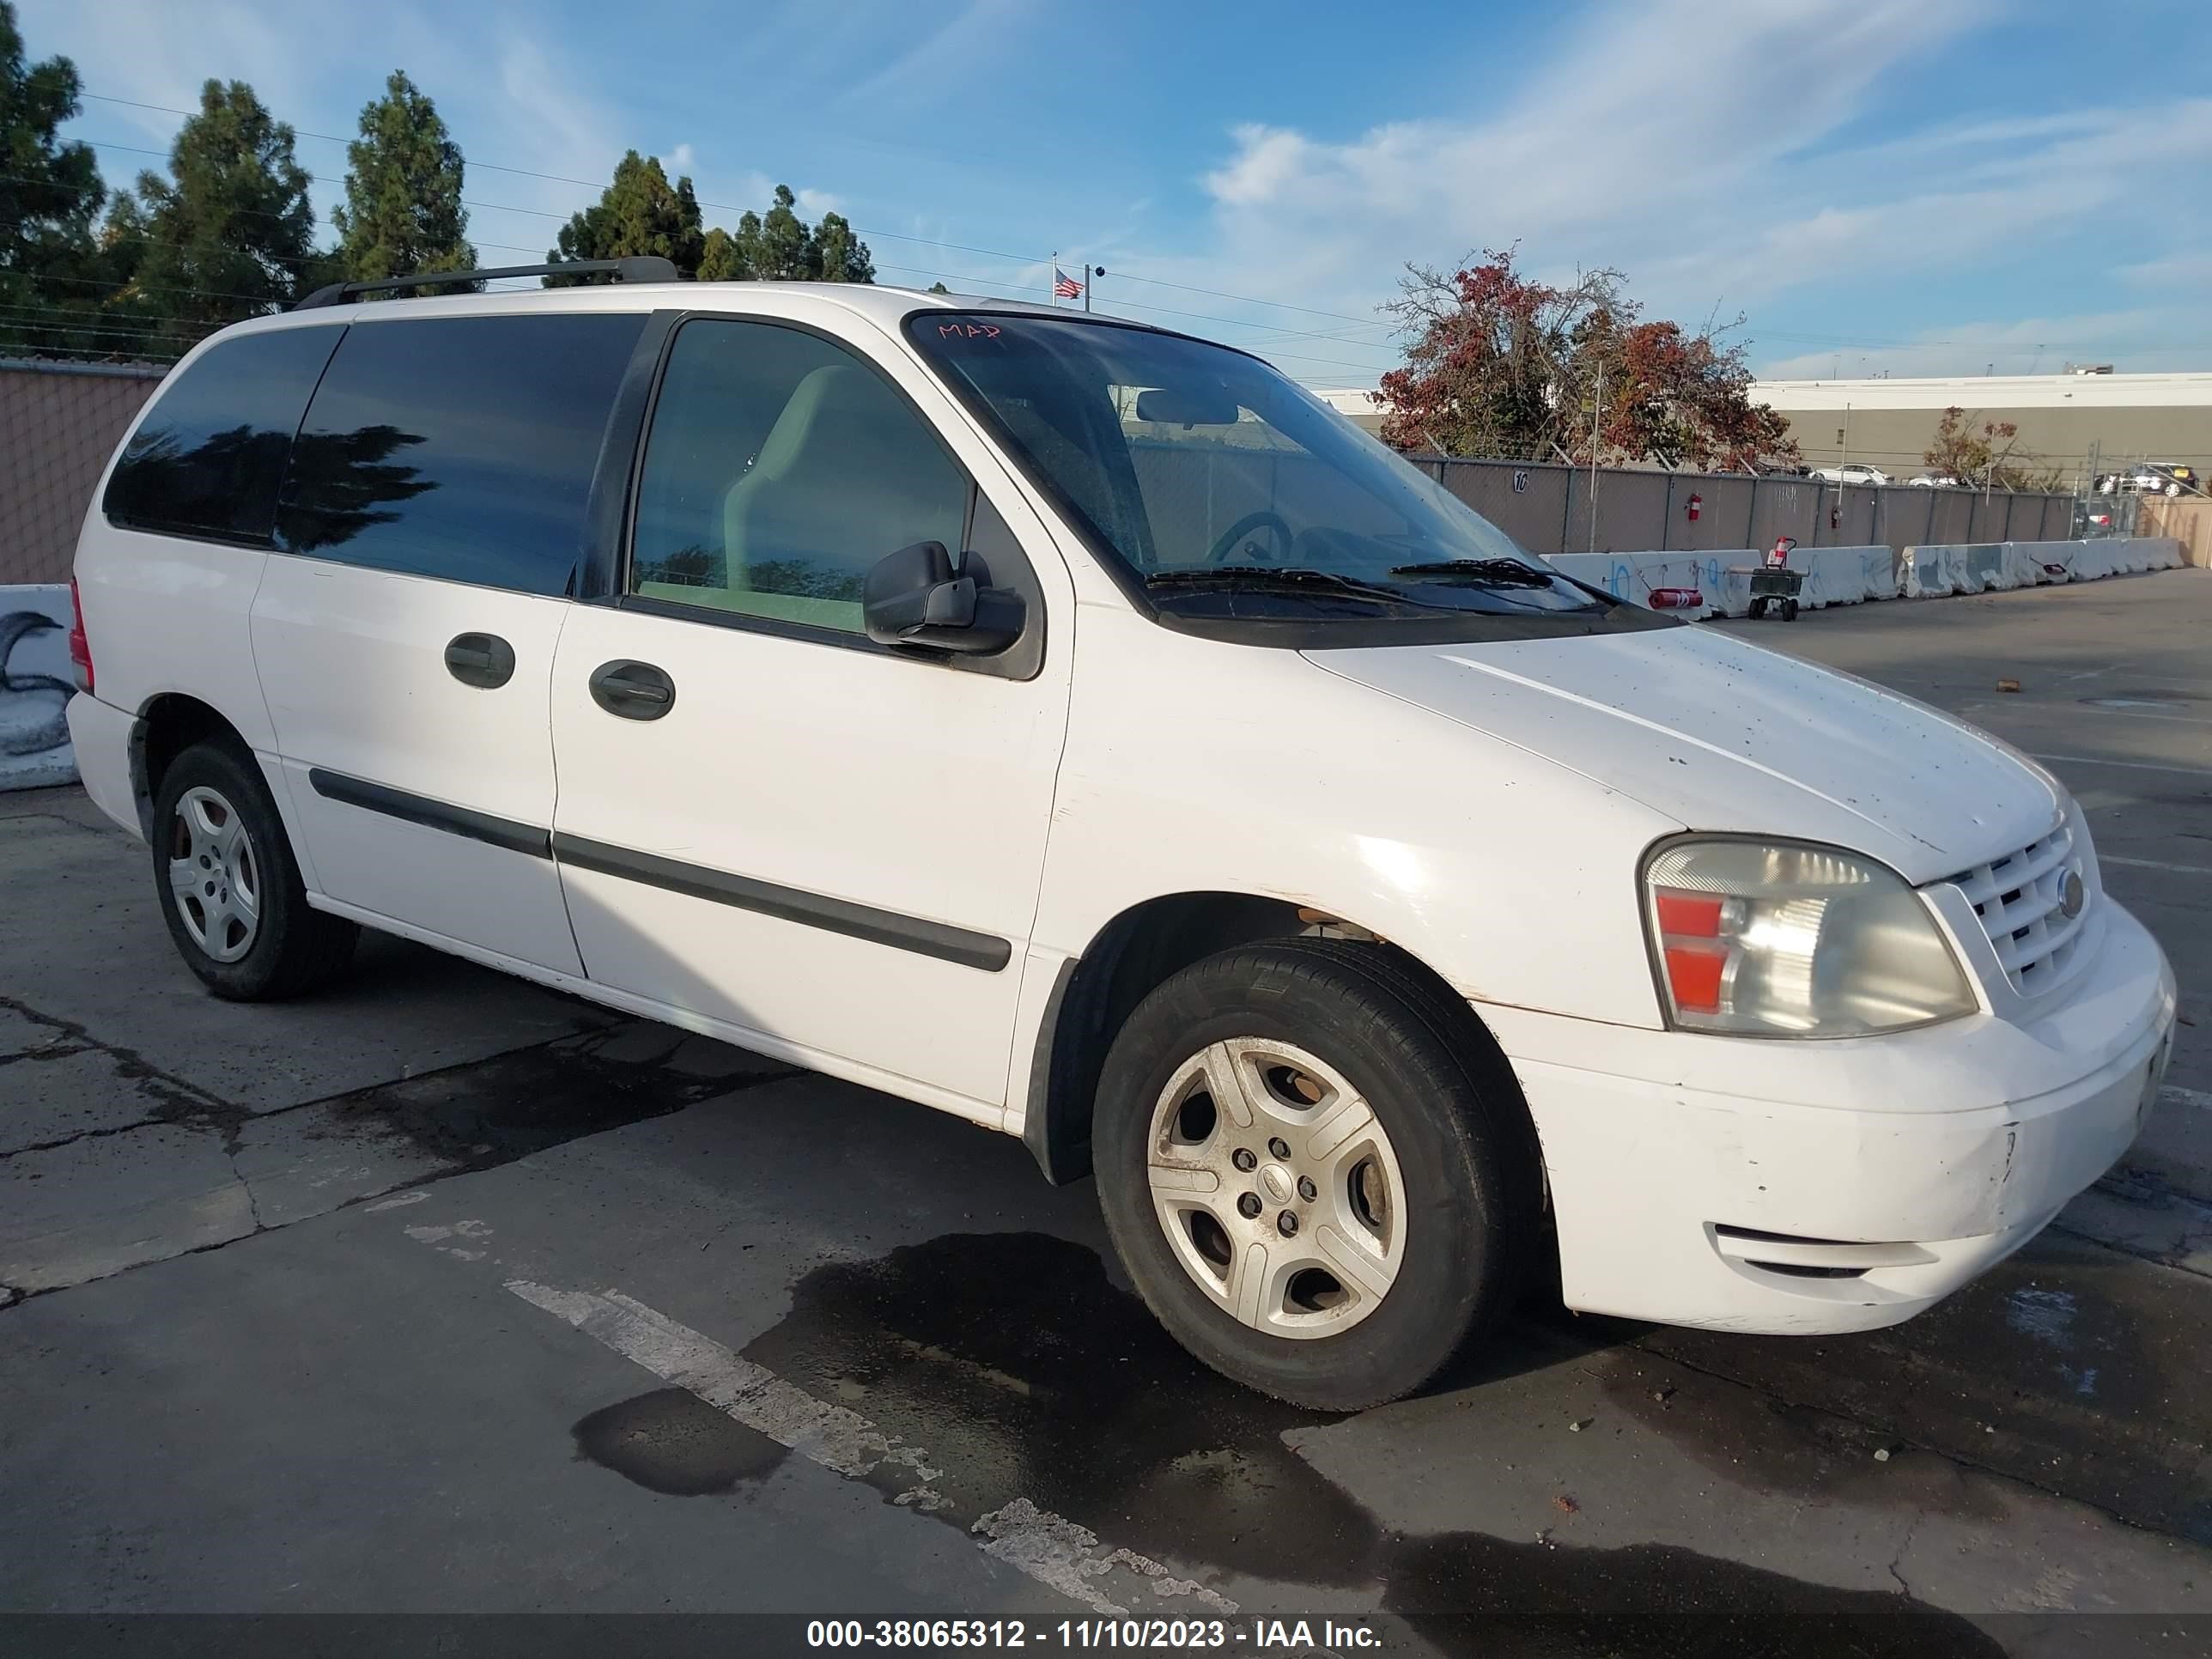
column 1091, row 273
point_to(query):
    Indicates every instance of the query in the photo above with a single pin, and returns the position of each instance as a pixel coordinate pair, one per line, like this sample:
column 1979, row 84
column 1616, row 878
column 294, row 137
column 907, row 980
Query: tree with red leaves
column 1500, row 365
column 1986, row 454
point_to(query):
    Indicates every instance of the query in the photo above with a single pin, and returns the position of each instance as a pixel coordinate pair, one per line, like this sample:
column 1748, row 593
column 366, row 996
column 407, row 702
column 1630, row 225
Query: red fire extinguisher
column 1697, row 506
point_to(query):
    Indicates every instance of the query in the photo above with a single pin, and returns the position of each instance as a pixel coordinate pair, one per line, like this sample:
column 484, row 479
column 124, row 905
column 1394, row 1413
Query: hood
column 1719, row 734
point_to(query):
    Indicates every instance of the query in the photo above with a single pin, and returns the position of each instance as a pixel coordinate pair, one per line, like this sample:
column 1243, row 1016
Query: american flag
column 1065, row 287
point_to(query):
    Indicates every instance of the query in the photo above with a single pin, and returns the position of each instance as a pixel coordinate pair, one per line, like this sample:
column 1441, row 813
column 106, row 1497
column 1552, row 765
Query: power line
column 725, row 207
column 1274, row 329
column 147, row 288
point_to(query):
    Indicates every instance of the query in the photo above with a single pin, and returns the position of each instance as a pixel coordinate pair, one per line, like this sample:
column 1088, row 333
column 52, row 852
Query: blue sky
column 1915, row 186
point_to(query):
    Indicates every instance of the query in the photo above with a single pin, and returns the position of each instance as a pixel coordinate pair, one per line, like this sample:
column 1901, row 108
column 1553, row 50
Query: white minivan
column 1077, row 727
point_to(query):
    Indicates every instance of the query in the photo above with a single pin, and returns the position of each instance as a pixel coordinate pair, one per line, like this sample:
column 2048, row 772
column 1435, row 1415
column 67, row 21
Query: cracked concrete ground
column 261, row 1349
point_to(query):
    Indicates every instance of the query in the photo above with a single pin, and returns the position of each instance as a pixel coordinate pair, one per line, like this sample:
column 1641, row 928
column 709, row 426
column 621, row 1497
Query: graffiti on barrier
column 31, row 721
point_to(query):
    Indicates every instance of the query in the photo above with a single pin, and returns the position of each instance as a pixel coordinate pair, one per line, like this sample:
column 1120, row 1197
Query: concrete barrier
column 1929, row 573
column 35, row 687
column 1849, row 575
column 1636, row 576
column 1985, row 566
column 1834, row 575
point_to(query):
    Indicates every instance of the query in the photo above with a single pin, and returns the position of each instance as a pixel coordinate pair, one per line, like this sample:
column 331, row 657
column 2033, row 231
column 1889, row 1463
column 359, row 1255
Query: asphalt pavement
column 440, row 1296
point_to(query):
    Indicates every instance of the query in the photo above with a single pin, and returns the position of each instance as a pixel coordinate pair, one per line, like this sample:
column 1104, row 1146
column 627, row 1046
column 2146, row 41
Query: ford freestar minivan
column 1078, row 728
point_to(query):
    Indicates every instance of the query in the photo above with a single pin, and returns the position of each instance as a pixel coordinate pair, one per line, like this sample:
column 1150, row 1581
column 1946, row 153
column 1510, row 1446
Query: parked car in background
column 1851, row 472
column 1385, row 920
column 1934, row 481
column 2154, row 479
column 2094, row 519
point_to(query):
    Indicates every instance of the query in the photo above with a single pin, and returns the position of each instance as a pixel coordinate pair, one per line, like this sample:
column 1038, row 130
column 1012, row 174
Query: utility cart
column 1775, row 587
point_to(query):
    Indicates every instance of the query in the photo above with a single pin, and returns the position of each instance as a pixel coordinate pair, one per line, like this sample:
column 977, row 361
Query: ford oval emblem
column 2072, row 895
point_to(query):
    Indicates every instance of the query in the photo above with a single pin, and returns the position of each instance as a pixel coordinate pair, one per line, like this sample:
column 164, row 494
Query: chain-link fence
column 59, row 424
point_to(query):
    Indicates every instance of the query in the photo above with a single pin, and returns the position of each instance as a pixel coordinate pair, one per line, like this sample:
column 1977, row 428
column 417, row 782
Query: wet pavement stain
column 1024, row 1372
column 670, row 1441
column 2066, row 1368
column 491, row 1112
column 1469, row 1594
column 1749, row 1438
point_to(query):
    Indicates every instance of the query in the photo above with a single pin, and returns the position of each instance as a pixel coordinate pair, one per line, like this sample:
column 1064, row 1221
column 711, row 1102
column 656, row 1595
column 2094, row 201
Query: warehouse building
column 2064, row 419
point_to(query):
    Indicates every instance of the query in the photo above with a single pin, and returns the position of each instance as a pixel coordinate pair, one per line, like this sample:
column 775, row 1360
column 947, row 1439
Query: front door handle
column 634, row 690
column 484, row 660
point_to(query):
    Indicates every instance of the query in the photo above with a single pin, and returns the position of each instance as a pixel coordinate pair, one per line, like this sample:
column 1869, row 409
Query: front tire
column 229, row 887
column 1319, row 1173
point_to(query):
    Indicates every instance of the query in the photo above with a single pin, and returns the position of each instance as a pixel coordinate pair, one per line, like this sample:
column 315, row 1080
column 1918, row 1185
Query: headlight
column 1779, row 939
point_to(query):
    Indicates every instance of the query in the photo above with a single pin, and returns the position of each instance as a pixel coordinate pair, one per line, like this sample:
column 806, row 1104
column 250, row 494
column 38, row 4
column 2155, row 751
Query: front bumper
column 1738, row 1185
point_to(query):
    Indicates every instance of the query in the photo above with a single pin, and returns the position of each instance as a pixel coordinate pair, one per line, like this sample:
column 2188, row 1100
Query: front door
column 833, row 846
column 430, row 527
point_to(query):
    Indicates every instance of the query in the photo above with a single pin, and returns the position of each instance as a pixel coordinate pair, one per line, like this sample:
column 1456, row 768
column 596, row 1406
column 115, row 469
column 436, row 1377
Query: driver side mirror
column 913, row 596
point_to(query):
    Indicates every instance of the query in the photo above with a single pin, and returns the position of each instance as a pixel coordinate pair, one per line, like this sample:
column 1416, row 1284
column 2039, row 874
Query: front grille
column 2019, row 899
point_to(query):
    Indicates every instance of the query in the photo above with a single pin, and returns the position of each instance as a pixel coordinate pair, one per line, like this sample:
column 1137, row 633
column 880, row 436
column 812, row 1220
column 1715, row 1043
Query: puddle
column 1025, row 1372
column 670, row 1441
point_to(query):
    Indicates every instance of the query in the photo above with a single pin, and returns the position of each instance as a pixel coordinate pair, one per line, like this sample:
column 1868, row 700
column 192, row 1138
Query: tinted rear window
column 461, row 447
column 207, row 460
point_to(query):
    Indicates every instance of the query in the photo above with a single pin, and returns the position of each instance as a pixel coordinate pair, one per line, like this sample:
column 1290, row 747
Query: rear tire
column 230, row 888
column 1409, row 1231
column 1789, row 610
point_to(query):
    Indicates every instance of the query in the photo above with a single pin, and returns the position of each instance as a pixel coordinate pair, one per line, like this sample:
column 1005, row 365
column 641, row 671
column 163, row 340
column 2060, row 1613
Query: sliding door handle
column 484, row 660
column 634, row 690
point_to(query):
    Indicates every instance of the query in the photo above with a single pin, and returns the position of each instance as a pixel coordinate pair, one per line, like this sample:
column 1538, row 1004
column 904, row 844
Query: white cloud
column 1694, row 145
column 2192, row 270
column 2140, row 338
column 949, row 54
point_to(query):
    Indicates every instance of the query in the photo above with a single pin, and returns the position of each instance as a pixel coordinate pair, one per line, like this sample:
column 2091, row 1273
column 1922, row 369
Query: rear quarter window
column 459, row 447
column 207, row 459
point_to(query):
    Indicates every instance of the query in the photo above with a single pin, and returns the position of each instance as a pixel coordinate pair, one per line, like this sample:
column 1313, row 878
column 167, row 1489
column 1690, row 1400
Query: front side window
column 208, row 456
column 1224, row 492
column 460, row 447
column 779, row 467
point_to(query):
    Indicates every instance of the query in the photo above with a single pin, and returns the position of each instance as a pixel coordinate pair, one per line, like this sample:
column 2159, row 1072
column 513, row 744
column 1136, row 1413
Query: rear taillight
column 80, row 647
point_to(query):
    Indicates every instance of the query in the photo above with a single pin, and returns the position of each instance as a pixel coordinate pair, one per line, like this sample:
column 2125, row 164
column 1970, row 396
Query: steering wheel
column 1263, row 519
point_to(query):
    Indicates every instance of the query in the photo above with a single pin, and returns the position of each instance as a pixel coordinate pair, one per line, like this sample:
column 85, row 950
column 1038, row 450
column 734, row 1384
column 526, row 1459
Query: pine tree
column 719, row 258
column 402, row 209
column 834, row 254
column 49, row 200
column 779, row 238
column 640, row 213
column 229, row 234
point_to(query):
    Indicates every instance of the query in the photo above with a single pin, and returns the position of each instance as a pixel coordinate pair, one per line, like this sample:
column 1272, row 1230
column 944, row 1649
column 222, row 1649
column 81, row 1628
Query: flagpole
column 1086, row 285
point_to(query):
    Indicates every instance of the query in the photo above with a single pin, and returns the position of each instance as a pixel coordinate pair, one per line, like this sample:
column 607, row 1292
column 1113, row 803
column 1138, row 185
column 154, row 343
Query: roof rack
column 644, row 268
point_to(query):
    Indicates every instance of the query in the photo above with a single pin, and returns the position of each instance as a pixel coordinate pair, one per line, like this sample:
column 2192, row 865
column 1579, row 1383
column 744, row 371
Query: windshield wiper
column 1284, row 579
column 1488, row 573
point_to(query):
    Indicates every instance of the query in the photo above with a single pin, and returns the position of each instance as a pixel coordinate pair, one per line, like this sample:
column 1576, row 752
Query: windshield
column 1205, row 472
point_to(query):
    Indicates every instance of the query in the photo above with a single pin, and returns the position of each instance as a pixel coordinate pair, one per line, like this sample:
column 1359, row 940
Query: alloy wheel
column 214, row 874
column 1277, row 1187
